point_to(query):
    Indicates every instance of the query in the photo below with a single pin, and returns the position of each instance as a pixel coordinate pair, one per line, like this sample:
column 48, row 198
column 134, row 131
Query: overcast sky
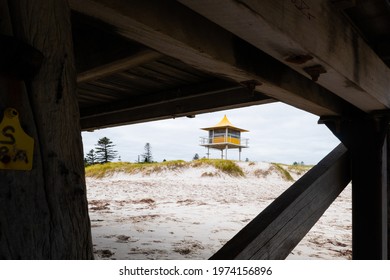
column 277, row 133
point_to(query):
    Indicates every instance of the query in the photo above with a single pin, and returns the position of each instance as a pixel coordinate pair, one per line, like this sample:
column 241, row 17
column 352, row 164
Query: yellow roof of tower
column 223, row 124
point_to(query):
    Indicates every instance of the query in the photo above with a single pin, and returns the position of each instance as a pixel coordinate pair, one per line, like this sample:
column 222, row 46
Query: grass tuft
column 226, row 166
column 285, row 174
column 299, row 169
column 106, row 169
column 101, row 170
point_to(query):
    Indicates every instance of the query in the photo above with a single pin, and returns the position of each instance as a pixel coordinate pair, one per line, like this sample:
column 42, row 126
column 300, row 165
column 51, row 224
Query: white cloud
column 278, row 133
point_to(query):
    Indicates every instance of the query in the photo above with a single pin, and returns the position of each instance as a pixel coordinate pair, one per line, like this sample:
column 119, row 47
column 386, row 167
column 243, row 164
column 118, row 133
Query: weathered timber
column 365, row 140
column 169, row 105
column 96, row 44
column 296, row 28
column 275, row 232
column 18, row 59
column 118, row 66
column 180, row 94
column 388, row 192
column 43, row 212
column 172, row 29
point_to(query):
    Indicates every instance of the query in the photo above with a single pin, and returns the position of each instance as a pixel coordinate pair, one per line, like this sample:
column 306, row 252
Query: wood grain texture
column 43, row 213
column 365, row 139
column 275, row 232
column 174, row 30
column 159, row 108
column 388, row 192
column 118, row 66
column 308, row 28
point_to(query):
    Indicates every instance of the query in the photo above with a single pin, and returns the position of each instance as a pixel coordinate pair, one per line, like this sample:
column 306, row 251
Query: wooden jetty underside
column 138, row 61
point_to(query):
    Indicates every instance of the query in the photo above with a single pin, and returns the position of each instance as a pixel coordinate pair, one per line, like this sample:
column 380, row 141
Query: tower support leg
column 226, row 149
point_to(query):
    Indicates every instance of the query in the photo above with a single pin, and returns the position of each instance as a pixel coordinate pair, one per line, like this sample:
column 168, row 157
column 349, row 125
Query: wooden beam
column 179, row 94
column 118, row 66
column 275, row 232
column 44, row 211
column 174, row 30
column 388, row 193
column 365, row 139
column 369, row 200
column 343, row 4
column 18, row 59
column 292, row 29
column 169, row 105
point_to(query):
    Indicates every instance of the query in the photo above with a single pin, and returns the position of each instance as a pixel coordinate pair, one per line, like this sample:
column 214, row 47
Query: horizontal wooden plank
column 176, row 31
column 169, row 105
column 275, row 232
column 159, row 98
column 312, row 29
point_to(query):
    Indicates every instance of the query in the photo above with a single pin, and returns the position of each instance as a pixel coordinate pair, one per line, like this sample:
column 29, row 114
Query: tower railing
column 210, row 141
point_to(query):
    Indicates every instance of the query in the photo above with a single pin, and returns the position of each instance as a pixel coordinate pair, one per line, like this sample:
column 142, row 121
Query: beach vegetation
column 101, row 170
column 283, row 172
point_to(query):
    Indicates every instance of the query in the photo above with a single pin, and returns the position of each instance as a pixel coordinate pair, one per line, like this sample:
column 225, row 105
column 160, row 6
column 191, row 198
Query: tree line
column 104, row 152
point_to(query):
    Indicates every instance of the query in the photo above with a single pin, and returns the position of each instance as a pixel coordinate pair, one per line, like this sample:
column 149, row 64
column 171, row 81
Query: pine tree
column 90, row 157
column 105, row 150
column 196, row 157
column 147, row 156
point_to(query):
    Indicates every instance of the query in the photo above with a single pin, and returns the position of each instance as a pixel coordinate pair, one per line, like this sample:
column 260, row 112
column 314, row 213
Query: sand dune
column 190, row 213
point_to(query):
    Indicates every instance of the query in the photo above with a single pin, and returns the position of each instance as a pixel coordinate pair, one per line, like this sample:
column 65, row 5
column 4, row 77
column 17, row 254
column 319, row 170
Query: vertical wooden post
column 365, row 140
column 369, row 194
column 44, row 212
column 388, row 192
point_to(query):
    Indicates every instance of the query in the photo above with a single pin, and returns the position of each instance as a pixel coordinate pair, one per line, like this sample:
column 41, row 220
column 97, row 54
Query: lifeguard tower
column 224, row 136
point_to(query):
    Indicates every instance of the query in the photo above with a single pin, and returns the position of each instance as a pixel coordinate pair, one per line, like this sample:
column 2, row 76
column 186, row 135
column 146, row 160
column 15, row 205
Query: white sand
column 180, row 214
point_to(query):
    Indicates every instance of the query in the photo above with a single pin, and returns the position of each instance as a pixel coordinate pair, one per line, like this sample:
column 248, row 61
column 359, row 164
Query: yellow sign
column 16, row 147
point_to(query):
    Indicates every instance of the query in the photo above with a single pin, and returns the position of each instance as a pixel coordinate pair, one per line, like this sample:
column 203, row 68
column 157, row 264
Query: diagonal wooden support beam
column 275, row 232
column 118, row 66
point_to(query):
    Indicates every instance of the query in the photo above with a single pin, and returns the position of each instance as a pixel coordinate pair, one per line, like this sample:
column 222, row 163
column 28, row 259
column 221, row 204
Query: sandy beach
column 190, row 213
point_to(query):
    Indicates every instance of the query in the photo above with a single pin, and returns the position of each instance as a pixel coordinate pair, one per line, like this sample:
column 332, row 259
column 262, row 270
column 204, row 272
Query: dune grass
column 101, row 170
column 299, row 168
column 226, row 166
column 285, row 174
